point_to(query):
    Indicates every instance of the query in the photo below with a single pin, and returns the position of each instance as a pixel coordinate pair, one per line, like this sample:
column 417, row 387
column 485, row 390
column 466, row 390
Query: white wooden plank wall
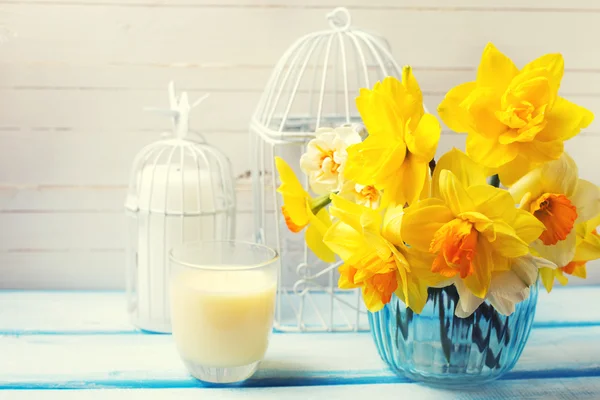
column 74, row 75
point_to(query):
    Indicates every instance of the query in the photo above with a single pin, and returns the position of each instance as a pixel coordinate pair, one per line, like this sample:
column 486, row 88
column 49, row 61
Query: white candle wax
column 167, row 192
column 222, row 318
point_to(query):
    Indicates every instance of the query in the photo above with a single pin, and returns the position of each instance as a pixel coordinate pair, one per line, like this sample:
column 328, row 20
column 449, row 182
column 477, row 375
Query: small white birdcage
column 181, row 189
column 313, row 85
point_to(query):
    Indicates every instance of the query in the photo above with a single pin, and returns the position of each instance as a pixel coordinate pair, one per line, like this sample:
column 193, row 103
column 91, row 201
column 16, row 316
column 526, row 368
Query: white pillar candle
column 167, row 196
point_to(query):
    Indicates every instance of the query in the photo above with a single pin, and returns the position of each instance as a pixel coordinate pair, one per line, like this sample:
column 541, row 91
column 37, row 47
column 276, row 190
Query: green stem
column 321, row 202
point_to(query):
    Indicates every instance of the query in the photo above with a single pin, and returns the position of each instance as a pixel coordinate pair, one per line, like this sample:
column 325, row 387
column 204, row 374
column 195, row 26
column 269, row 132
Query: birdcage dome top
column 180, row 174
column 316, row 80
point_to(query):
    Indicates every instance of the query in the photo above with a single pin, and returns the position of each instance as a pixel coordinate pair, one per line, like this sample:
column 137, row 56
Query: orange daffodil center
column 402, row 140
column 455, row 244
column 558, row 215
column 514, row 119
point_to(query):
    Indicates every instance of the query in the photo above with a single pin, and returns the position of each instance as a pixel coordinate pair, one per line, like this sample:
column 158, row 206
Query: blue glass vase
column 440, row 349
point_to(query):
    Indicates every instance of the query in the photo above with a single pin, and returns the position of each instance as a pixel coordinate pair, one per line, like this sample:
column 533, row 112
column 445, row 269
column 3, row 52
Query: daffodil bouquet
column 488, row 221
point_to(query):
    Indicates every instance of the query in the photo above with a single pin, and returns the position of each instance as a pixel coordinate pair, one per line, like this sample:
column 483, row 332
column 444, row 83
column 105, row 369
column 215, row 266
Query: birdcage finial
column 339, row 18
column 179, row 110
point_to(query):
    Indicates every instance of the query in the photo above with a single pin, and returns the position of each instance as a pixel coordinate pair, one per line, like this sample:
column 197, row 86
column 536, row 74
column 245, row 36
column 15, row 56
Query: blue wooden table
column 84, row 342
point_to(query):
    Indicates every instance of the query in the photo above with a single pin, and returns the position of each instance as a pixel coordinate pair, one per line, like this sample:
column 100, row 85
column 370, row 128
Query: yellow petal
column 450, row 110
column 420, row 264
column 553, row 63
column 531, row 183
column 423, row 142
column 454, row 194
column 345, row 241
column 481, row 222
column 507, row 242
column 500, row 262
column 376, row 244
column 392, row 224
column 560, row 277
column 532, row 86
column 483, row 104
column 390, row 104
column 466, row 170
column 315, row 232
column 565, row 120
column 560, row 176
column 580, row 271
column 378, row 114
column 538, row 151
column 479, row 282
column 421, row 221
column 410, row 106
column 495, row 69
column 587, row 200
column 352, row 214
column 417, row 295
column 294, row 195
column 592, row 224
column 560, row 253
column 527, row 227
column 426, row 191
column 346, row 280
column 488, row 152
column 376, row 266
column 372, row 300
column 290, row 185
column 374, row 159
column 402, row 278
column 467, row 301
column 407, row 184
column 410, row 83
column 547, row 277
column 513, row 171
column 588, row 249
column 493, row 202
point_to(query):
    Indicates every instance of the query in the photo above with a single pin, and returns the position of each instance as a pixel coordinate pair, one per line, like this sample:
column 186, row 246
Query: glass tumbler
column 222, row 307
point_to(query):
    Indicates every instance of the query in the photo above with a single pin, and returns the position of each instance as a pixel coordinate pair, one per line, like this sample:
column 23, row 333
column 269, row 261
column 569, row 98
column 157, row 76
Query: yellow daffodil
column 300, row 210
column 586, row 249
column 375, row 257
column 556, row 196
column 402, row 140
column 473, row 229
column 514, row 119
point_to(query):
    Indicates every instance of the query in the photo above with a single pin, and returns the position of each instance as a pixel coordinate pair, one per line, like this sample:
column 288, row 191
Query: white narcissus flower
column 507, row 288
column 325, row 158
column 367, row 196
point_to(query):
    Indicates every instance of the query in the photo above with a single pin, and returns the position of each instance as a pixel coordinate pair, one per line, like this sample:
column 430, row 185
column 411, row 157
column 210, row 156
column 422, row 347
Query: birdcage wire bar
column 313, row 85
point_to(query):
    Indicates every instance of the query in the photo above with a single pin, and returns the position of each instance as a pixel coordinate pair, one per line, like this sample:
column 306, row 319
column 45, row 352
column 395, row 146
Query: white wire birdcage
column 313, row 85
column 180, row 190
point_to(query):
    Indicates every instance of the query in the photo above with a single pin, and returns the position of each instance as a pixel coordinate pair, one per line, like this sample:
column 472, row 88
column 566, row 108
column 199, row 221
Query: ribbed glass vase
column 440, row 349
